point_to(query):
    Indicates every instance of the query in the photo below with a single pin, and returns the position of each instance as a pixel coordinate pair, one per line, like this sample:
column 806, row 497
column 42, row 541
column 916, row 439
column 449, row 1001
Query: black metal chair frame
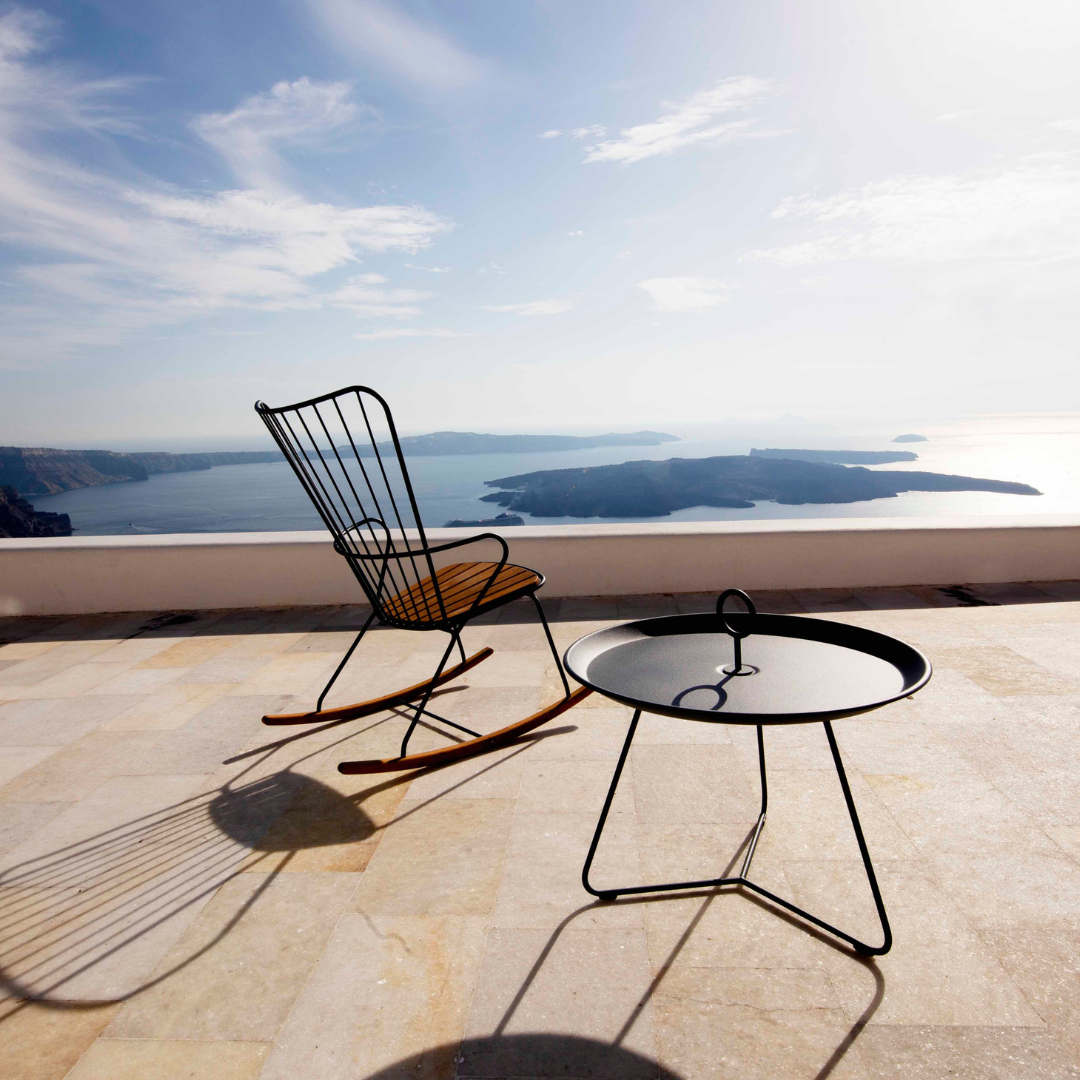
column 398, row 574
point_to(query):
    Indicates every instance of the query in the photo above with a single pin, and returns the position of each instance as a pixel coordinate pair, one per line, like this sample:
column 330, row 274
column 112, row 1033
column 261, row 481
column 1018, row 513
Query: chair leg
column 455, row 639
column 861, row 947
column 550, row 641
column 344, row 661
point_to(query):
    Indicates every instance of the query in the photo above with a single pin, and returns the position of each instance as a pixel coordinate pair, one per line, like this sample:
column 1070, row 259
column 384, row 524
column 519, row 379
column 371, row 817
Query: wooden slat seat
column 459, row 585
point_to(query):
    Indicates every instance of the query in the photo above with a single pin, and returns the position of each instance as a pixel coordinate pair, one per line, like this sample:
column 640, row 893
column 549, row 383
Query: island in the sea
column 657, row 488
column 500, row 520
column 839, row 457
column 910, row 438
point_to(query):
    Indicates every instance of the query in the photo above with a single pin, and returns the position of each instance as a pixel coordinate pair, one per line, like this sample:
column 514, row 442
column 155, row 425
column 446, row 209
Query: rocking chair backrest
column 345, row 451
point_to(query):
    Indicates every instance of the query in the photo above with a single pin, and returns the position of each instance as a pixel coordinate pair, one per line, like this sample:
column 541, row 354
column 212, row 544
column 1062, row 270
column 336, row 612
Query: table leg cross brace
column 860, row 947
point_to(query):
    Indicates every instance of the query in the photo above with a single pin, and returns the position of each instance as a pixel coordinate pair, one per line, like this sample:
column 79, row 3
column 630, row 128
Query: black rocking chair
column 362, row 491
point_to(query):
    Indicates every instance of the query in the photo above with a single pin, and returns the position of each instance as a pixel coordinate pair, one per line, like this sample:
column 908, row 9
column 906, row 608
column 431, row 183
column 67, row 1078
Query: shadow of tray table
column 751, row 669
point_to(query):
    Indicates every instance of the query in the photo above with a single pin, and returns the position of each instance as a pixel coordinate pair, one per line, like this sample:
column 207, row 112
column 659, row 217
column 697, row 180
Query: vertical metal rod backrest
column 361, row 488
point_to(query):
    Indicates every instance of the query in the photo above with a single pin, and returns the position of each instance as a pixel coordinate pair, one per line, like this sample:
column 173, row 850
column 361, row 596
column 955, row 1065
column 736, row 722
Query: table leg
column 860, row 947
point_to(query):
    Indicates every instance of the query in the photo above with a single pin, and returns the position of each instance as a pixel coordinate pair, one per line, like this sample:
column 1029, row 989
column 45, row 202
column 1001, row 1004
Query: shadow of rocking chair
column 362, row 491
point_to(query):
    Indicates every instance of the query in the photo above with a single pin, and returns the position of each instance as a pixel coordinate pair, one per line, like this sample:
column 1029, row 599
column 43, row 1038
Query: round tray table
column 753, row 669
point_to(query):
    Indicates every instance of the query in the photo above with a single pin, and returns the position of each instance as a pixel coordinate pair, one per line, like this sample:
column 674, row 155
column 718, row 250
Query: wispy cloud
column 1070, row 125
column 532, row 307
column 430, row 269
column 387, row 34
column 361, row 296
column 126, row 255
column 686, row 293
column 576, row 232
column 409, row 332
column 593, row 131
column 554, row 133
column 690, row 122
column 300, row 113
column 1030, row 210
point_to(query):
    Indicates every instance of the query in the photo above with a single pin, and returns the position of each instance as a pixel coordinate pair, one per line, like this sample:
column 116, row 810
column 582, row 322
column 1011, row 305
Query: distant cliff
column 19, row 519
column 46, row 471
column 656, row 488
column 840, row 457
column 471, row 442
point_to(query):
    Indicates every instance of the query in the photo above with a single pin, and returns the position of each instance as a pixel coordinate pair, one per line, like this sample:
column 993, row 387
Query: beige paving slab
column 704, row 1039
column 924, row 1052
column 587, row 983
column 727, row 929
column 70, row 683
column 593, row 735
column 245, row 960
column 1067, row 837
column 509, row 668
column 1042, row 959
column 58, row 721
column 220, row 731
column 136, row 649
column 893, row 740
column 15, row 760
column 47, row 662
column 19, row 821
column 667, row 730
column 952, row 698
column 26, row 650
column 541, row 884
column 75, row 771
column 552, row 787
column 698, row 851
column 42, row 1042
column 939, row 971
column 189, row 652
column 168, row 708
column 387, row 988
column 226, row 669
column 808, row 817
column 92, row 902
column 1002, row 671
column 333, row 823
column 490, row 776
column 139, row 681
column 1000, row 890
column 442, row 857
column 958, row 812
column 170, row 1059
column 691, row 783
column 293, row 673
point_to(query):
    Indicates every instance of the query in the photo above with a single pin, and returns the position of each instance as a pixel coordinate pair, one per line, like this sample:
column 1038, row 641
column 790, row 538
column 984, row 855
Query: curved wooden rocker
column 396, row 570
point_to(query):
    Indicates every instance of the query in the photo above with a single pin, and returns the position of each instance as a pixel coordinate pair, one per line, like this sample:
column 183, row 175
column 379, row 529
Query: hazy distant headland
column 657, row 488
column 471, row 442
column 840, row 457
column 910, row 438
column 47, row 471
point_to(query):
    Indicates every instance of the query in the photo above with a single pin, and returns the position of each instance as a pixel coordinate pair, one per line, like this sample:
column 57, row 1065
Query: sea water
column 1043, row 451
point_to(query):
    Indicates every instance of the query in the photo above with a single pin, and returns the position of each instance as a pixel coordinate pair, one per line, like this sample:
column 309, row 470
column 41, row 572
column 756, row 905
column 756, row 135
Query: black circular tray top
column 794, row 669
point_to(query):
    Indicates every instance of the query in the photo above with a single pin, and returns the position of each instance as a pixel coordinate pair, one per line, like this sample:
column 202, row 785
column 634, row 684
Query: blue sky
column 535, row 216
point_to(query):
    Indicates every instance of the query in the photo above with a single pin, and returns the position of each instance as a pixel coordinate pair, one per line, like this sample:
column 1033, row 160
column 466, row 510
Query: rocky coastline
column 19, row 519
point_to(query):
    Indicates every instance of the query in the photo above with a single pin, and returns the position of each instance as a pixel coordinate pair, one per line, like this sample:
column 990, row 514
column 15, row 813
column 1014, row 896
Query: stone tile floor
column 186, row 893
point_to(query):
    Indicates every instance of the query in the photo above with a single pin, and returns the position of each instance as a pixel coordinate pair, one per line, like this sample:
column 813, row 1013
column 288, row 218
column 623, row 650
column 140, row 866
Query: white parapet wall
column 192, row 571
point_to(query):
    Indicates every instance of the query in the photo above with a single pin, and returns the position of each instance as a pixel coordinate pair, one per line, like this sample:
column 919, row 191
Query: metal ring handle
column 750, row 610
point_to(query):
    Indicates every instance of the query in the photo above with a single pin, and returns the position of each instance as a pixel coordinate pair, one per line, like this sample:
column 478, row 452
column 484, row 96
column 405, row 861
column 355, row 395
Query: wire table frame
column 795, row 670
